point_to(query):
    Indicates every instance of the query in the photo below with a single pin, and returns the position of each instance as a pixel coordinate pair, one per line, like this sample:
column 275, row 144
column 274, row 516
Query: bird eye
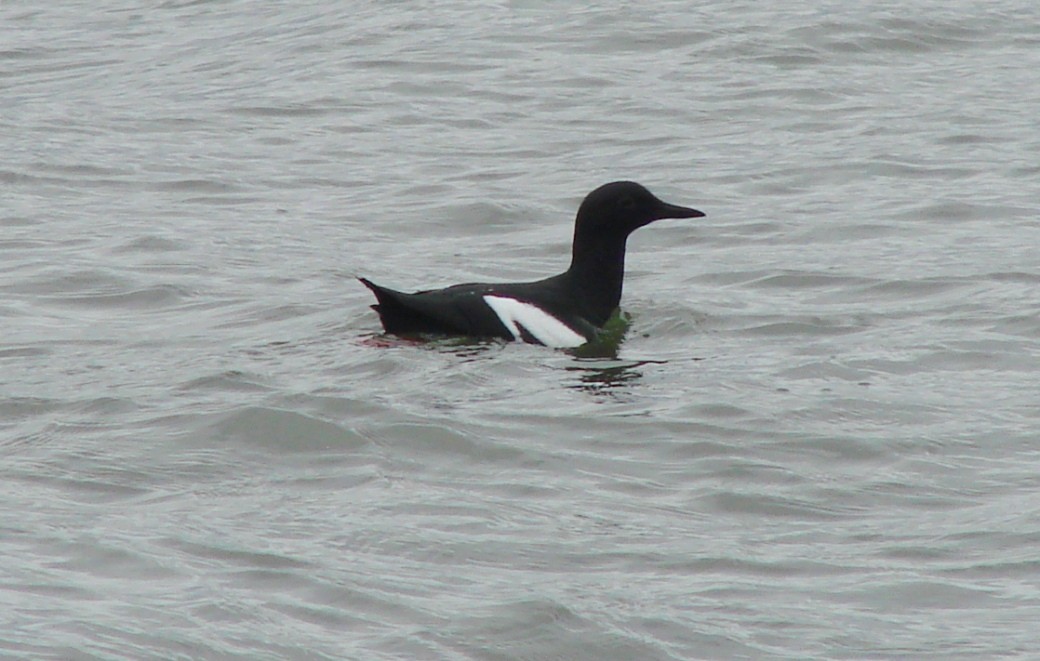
column 627, row 202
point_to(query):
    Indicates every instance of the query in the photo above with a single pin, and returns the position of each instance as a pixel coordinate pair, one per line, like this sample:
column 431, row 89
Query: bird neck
column 597, row 272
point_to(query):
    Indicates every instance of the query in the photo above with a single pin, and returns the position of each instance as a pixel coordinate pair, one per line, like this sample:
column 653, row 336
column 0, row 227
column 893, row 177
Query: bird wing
column 457, row 310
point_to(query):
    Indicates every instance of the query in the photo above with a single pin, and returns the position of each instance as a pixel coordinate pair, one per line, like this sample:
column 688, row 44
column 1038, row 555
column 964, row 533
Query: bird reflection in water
column 609, row 377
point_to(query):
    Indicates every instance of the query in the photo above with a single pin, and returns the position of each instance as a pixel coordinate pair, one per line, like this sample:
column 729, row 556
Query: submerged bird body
column 565, row 310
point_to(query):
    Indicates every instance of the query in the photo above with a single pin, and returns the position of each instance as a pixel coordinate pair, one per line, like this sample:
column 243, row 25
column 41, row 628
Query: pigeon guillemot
column 566, row 310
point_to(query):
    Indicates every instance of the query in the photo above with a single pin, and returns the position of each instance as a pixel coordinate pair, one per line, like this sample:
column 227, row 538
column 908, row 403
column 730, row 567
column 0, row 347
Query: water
column 818, row 440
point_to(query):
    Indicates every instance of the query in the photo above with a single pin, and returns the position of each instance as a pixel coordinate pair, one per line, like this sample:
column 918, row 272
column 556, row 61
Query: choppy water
column 819, row 439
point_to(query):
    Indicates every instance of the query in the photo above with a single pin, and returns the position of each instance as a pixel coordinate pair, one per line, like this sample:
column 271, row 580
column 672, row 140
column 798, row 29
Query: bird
column 562, row 311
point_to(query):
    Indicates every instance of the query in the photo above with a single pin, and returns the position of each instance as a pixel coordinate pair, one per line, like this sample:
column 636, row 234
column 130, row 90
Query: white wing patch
column 545, row 328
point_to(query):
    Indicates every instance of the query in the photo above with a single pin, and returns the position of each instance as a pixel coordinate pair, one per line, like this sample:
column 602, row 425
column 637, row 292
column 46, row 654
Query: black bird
column 566, row 310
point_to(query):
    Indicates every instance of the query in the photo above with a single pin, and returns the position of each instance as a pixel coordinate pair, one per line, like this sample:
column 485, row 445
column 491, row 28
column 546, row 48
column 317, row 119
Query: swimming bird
column 566, row 310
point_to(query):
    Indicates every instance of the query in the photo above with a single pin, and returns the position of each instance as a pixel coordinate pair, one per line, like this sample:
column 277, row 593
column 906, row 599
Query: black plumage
column 582, row 298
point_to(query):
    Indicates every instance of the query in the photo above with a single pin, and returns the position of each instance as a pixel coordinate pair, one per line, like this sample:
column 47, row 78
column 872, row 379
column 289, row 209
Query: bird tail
column 398, row 314
column 380, row 292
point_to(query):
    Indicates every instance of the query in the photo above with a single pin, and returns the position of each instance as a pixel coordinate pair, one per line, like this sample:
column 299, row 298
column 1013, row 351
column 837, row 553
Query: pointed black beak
column 675, row 211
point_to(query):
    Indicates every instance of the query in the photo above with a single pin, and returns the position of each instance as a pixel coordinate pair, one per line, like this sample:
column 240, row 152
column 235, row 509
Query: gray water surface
column 819, row 438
